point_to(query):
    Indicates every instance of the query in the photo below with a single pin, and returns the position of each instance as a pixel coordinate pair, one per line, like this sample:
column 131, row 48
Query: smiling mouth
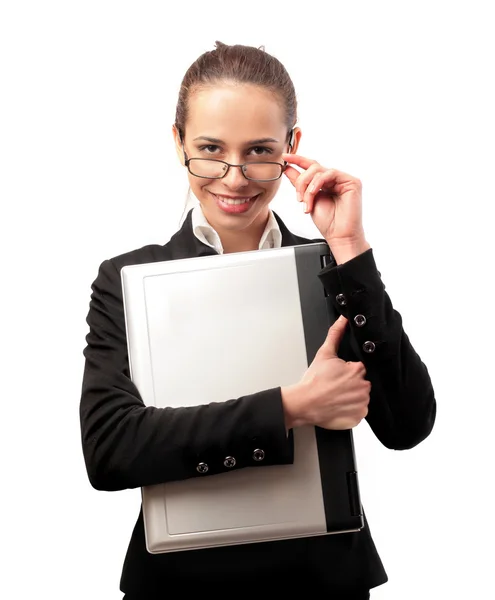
column 234, row 201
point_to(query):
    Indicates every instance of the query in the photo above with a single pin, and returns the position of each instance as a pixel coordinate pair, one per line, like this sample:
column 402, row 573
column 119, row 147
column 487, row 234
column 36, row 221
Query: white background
column 400, row 94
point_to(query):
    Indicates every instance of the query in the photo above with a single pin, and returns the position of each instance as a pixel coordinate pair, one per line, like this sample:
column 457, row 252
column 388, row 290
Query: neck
column 242, row 241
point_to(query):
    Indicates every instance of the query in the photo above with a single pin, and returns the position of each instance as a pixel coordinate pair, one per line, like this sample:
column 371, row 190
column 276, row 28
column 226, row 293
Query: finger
column 300, row 161
column 300, row 179
column 304, row 180
column 358, row 366
column 292, row 174
column 334, row 337
column 314, row 186
column 305, row 163
column 322, row 180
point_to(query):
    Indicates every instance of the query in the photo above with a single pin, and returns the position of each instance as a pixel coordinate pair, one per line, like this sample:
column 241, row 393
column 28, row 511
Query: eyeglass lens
column 214, row 169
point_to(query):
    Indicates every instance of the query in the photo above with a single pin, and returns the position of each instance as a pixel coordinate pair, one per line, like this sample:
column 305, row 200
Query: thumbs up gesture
column 332, row 394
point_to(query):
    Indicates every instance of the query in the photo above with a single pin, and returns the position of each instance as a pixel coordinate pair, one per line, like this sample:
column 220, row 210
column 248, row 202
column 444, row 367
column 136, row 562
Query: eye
column 209, row 149
column 260, row 150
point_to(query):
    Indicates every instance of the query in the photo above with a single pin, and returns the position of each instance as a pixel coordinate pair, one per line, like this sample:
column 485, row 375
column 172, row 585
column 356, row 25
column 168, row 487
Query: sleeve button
column 258, row 455
column 360, row 320
column 369, row 347
column 341, row 299
column 229, row 462
column 202, row 468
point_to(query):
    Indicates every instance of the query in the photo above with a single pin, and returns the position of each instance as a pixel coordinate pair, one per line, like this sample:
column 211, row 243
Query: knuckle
column 360, row 368
column 314, row 170
column 316, row 178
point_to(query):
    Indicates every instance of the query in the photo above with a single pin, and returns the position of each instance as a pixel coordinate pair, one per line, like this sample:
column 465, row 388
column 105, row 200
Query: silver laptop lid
column 211, row 329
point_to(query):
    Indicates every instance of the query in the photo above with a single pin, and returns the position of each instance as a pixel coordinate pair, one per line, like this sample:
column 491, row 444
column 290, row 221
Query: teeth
column 232, row 202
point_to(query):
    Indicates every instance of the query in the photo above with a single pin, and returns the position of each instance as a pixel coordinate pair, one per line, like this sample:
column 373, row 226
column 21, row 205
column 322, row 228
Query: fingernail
column 305, row 207
column 299, row 197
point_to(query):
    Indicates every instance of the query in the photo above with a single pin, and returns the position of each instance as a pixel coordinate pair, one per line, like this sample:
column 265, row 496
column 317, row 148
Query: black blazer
column 127, row 445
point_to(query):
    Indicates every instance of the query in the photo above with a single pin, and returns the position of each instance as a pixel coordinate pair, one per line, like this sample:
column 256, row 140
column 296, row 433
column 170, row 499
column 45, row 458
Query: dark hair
column 238, row 64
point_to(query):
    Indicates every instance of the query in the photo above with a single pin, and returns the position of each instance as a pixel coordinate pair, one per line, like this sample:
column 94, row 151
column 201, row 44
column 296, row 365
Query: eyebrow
column 250, row 143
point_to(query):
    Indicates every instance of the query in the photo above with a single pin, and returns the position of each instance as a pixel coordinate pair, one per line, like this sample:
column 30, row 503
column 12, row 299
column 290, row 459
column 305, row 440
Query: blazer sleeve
column 402, row 406
column 128, row 445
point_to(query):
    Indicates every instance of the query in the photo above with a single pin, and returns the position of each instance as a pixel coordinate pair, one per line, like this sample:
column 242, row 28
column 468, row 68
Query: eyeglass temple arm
column 291, row 139
column 186, row 159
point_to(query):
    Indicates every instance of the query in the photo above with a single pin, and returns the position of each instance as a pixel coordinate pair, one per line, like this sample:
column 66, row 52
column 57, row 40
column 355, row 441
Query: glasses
column 212, row 168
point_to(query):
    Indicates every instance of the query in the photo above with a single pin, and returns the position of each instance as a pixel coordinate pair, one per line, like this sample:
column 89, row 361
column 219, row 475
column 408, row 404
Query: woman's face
column 236, row 123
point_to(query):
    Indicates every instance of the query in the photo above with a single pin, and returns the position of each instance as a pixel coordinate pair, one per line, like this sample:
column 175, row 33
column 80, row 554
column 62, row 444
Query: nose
column 234, row 179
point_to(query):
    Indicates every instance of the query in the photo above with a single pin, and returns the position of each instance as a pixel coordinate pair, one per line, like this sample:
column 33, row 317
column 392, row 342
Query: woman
column 235, row 133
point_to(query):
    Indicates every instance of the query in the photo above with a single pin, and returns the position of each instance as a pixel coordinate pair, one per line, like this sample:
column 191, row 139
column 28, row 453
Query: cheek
column 197, row 184
column 271, row 189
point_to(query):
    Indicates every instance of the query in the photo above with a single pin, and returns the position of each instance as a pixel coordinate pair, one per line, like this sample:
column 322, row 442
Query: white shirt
column 271, row 238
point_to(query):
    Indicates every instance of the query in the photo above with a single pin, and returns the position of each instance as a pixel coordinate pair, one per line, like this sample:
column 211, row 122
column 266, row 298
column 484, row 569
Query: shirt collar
column 204, row 232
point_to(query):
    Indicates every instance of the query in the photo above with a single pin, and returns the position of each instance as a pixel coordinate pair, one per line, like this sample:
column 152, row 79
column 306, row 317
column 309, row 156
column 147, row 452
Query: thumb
column 334, row 337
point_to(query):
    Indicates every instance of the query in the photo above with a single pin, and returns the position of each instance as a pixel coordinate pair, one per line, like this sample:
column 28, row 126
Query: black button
column 229, row 462
column 369, row 347
column 202, row 468
column 360, row 320
column 341, row 299
column 258, row 454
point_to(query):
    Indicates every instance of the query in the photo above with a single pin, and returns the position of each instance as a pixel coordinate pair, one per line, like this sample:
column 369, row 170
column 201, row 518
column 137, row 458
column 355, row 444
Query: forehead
column 235, row 113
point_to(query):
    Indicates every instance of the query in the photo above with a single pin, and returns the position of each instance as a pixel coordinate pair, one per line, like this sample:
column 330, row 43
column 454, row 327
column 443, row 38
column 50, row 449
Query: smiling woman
column 233, row 201
column 235, row 132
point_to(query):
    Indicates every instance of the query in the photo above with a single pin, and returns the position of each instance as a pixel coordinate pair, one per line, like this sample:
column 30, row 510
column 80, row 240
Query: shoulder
column 178, row 246
column 109, row 269
column 145, row 254
column 290, row 238
column 301, row 241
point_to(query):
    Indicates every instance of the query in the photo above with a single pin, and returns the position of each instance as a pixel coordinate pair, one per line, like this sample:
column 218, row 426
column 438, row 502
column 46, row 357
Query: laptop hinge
column 325, row 260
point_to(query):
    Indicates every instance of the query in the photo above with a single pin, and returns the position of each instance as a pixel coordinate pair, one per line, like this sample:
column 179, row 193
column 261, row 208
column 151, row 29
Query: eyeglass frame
column 283, row 166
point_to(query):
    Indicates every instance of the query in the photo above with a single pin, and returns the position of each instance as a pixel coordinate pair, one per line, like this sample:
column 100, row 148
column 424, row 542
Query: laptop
column 259, row 316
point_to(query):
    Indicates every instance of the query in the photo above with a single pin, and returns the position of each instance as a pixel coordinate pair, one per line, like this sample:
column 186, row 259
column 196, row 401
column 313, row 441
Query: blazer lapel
column 184, row 244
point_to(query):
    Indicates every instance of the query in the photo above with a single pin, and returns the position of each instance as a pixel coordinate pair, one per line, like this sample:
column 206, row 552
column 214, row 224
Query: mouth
column 234, row 204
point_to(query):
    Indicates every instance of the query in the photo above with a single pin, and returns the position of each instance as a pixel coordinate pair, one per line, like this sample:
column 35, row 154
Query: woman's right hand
column 332, row 394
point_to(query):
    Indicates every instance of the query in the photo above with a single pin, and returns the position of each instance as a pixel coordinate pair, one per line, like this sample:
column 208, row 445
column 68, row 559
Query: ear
column 178, row 144
column 296, row 138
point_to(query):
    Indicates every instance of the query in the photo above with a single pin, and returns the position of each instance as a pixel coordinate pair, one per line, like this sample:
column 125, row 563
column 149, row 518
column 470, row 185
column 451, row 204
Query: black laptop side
column 343, row 510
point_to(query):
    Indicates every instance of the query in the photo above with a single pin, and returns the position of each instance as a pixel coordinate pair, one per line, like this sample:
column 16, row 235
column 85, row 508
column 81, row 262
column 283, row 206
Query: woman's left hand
column 332, row 198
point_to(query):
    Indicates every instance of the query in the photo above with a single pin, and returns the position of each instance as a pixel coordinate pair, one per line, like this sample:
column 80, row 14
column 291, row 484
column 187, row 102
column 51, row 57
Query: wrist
column 292, row 402
column 344, row 250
